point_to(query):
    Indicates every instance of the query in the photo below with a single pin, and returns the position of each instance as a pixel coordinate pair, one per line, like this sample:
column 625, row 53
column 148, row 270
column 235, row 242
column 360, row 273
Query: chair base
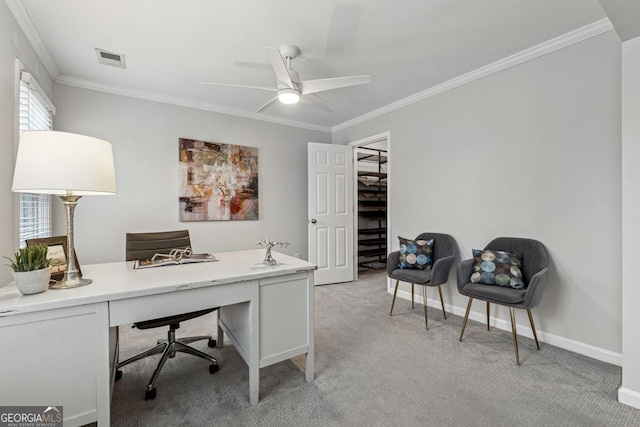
column 424, row 301
column 513, row 327
column 169, row 348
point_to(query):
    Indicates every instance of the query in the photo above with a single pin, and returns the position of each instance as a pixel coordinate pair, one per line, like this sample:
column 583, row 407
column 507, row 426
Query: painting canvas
column 218, row 182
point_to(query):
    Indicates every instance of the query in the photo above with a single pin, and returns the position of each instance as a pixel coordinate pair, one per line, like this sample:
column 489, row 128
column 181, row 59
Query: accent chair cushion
column 499, row 268
column 416, row 254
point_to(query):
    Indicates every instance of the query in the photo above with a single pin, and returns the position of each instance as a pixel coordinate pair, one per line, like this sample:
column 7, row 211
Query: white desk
column 60, row 347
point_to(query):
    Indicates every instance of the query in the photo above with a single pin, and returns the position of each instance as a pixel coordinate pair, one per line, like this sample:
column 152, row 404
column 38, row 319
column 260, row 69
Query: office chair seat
column 144, row 246
column 164, row 321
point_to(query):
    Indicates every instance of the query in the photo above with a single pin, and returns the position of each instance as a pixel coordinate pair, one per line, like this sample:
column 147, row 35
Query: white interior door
column 330, row 182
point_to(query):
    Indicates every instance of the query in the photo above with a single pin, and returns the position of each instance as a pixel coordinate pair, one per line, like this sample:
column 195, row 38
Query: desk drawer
column 149, row 307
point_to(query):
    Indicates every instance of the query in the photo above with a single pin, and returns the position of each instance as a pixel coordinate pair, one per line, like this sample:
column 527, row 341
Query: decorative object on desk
column 31, row 270
column 58, row 253
column 268, row 259
column 68, row 166
column 174, row 257
column 217, row 181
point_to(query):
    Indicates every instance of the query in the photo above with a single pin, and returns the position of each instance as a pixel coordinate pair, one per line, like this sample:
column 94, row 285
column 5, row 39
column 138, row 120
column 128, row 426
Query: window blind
column 36, row 113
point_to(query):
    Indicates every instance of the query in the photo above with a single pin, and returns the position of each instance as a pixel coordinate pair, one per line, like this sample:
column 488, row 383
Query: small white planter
column 32, row 282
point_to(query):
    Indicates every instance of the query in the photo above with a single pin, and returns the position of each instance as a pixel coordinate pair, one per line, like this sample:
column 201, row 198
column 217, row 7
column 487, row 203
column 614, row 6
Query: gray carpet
column 376, row 370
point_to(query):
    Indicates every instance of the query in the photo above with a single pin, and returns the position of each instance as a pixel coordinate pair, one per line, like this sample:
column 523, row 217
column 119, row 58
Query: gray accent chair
column 444, row 252
column 535, row 268
column 144, row 246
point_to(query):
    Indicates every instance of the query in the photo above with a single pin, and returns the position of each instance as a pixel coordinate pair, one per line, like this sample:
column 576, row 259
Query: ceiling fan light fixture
column 288, row 96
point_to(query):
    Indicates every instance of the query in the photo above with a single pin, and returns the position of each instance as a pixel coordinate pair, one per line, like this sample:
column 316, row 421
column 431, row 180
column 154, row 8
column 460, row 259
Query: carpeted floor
column 375, row 370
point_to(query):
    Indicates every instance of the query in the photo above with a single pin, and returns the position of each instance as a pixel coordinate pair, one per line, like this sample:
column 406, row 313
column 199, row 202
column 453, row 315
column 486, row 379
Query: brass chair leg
column 393, row 301
column 533, row 328
column 466, row 316
column 444, row 313
column 488, row 315
column 515, row 335
column 412, row 305
column 424, row 303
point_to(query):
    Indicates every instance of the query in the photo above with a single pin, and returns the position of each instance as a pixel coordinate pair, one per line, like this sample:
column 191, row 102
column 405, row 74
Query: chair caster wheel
column 212, row 343
column 118, row 374
column 213, row 368
column 150, row 394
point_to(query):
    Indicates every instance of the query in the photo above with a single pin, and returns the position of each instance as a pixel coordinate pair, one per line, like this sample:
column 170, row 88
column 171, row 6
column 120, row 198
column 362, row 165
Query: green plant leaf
column 30, row 258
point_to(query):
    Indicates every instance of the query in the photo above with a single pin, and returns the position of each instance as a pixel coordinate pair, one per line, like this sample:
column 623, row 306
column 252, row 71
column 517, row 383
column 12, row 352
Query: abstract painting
column 218, row 182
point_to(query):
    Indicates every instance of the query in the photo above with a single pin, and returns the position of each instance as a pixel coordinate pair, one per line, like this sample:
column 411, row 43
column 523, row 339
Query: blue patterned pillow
column 497, row 268
column 417, row 254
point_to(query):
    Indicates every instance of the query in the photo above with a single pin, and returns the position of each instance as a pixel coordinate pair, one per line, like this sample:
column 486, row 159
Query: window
column 36, row 113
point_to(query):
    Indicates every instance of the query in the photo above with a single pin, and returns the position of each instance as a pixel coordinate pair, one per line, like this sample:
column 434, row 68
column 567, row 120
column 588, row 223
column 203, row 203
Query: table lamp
column 68, row 166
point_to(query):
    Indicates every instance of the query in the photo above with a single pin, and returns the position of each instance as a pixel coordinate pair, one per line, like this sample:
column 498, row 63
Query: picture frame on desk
column 58, row 252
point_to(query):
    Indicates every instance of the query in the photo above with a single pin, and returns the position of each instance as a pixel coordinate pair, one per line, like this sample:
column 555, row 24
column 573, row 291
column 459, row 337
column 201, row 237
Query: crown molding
column 591, row 30
column 557, row 43
column 24, row 21
column 183, row 102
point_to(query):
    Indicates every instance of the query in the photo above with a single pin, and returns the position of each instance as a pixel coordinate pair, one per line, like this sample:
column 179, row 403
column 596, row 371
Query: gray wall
column 531, row 151
column 145, row 136
column 13, row 44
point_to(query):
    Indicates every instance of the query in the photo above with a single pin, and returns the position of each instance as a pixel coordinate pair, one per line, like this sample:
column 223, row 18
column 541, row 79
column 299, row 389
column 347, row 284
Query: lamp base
column 72, row 282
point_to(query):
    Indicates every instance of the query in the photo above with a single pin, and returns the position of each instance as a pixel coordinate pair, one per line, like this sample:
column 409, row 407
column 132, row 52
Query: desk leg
column 254, row 385
column 220, row 338
column 103, row 365
column 309, row 369
column 254, row 366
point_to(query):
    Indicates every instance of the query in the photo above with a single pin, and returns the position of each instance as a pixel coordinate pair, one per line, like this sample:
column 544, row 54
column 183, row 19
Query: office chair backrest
column 146, row 245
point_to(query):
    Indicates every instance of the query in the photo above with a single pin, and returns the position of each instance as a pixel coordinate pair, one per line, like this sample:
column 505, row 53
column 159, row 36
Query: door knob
column 313, row 221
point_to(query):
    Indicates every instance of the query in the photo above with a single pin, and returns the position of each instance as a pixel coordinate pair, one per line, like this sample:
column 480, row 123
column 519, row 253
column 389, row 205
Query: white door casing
column 330, row 222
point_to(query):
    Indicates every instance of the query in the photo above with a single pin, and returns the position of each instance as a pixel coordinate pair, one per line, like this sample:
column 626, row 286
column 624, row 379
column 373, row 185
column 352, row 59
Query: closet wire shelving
column 372, row 207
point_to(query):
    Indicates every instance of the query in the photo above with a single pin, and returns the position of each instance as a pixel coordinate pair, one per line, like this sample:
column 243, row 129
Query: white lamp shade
column 61, row 163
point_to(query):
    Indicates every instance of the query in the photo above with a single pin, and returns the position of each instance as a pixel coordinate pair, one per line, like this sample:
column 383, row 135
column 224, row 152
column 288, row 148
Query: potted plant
column 31, row 269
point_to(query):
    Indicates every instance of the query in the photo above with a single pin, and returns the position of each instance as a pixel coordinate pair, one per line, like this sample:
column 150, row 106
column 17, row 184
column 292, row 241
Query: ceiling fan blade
column 279, row 67
column 320, row 85
column 268, row 104
column 316, row 101
column 249, row 64
column 243, row 86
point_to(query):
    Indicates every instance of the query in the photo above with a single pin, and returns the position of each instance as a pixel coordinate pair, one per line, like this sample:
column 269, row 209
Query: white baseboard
column 522, row 329
column 629, row 397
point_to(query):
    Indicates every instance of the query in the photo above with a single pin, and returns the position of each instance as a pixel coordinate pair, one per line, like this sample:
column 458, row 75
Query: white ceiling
column 170, row 46
column 624, row 15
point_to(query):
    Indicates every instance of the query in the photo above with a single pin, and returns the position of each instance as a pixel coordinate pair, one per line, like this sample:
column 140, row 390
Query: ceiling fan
column 290, row 89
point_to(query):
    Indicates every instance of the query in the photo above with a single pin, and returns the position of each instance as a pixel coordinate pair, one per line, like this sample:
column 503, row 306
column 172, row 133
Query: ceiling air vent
column 110, row 58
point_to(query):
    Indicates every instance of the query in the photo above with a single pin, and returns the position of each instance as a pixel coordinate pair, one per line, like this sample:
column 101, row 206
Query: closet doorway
column 371, row 192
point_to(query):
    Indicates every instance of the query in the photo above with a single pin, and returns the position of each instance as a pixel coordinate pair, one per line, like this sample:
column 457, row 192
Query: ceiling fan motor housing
column 289, row 51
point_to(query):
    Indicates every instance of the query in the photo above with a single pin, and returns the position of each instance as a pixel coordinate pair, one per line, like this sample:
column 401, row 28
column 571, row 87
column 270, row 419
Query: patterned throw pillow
column 417, row 254
column 497, row 268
